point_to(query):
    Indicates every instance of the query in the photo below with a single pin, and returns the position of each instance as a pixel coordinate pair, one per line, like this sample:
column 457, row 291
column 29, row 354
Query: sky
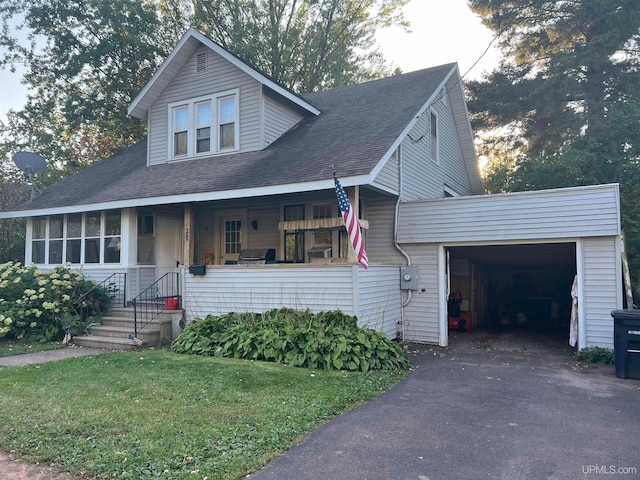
column 442, row 31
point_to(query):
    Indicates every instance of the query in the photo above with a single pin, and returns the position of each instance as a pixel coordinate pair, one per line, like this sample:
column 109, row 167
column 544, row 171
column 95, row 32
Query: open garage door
column 523, row 288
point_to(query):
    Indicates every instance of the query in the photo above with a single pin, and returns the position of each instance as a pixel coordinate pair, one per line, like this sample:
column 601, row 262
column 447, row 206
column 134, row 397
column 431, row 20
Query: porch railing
column 163, row 294
column 115, row 286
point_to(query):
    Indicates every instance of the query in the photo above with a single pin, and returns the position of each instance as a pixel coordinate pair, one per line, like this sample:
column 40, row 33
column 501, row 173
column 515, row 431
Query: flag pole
column 351, row 223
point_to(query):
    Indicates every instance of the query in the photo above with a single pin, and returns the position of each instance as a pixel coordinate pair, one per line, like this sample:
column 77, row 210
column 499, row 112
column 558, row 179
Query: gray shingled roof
column 357, row 127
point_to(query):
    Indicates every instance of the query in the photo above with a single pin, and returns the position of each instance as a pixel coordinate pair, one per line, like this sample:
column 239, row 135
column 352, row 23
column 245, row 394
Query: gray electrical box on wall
column 408, row 278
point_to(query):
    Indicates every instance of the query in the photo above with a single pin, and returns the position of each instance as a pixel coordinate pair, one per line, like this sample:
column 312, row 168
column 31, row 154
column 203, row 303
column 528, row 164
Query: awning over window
column 318, row 224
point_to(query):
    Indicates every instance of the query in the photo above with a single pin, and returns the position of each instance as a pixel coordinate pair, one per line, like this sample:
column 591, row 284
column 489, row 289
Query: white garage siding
column 602, row 287
column 421, row 315
column 546, row 214
column 587, row 215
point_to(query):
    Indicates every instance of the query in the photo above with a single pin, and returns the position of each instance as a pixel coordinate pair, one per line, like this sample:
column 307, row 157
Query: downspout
column 395, row 238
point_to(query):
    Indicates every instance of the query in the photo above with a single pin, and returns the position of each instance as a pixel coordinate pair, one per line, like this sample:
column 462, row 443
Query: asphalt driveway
column 487, row 407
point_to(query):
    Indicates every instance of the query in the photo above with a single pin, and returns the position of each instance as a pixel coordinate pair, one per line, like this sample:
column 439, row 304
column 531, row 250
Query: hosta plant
column 326, row 340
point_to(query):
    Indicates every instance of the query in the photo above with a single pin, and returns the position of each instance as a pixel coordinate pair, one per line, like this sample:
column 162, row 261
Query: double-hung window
column 204, row 125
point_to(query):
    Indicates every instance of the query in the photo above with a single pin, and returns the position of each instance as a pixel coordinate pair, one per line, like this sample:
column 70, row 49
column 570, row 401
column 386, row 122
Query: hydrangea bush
column 38, row 306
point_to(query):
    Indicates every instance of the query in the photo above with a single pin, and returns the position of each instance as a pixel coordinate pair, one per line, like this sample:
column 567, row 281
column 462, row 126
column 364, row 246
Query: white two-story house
column 232, row 192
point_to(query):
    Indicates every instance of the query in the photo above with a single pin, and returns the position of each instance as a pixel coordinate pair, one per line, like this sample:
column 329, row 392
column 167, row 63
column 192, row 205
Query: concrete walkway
column 49, row 356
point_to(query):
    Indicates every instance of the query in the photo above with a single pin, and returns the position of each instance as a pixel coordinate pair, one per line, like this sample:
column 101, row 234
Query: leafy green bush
column 38, row 306
column 326, row 340
column 596, row 355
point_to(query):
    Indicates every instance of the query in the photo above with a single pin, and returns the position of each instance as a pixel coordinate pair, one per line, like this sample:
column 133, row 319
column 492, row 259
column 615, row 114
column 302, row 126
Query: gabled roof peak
column 187, row 45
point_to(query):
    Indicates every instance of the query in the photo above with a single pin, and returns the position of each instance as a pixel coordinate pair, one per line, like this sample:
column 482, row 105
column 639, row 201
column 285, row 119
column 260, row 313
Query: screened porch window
column 294, row 239
column 77, row 238
column 56, row 239
column 322, row 237
column 39, row 239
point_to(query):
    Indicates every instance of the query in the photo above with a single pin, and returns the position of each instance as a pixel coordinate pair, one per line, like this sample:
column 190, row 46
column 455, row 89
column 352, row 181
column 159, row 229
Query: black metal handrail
column 115, row 285
column 163, row 294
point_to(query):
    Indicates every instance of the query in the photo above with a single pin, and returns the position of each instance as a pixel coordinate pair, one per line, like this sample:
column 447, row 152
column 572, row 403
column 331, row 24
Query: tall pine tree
column 563, row 108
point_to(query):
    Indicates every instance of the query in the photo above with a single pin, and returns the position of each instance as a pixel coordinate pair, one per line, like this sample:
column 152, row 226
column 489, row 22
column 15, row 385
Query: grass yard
column 157, row 414
column 11, row 347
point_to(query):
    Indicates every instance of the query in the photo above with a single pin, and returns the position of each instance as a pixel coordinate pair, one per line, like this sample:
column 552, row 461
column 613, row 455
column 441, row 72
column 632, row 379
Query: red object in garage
column 457, row 323
column 466, row 316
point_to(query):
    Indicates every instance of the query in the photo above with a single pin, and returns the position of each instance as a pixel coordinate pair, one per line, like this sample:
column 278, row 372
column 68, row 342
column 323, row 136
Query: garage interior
column 512, row 288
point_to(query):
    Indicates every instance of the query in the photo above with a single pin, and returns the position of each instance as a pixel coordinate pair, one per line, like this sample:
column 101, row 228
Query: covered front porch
column 373, row 295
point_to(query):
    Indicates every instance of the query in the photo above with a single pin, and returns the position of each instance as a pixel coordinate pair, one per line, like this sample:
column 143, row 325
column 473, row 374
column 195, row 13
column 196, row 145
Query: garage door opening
column 521, row 289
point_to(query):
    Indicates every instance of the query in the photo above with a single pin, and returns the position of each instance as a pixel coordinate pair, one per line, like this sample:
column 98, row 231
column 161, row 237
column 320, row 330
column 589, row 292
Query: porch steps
column 117, row 327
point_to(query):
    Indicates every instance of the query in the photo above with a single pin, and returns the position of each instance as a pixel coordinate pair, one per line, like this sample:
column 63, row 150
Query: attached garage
column 511, row 260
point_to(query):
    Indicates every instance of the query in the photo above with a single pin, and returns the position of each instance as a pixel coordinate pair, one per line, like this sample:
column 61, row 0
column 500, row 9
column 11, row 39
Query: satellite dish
column 30, row 163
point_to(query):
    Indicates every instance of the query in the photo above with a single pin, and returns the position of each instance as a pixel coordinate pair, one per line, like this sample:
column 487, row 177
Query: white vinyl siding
column 423, row 177
column 379, row 299
column 379, row 238
column 372, row 295
column 257, row 289
column 602, row 287
column 277, row 120
column 547, row 214
column 421, row 316
column 388, row 176
column 267, row 234
column 220, row 76
column 146, row 278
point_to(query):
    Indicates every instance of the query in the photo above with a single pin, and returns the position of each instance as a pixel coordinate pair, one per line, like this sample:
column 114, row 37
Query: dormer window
column 204, row 125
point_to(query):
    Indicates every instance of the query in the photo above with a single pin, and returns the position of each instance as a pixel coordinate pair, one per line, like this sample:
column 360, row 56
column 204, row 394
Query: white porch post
column 189, row 234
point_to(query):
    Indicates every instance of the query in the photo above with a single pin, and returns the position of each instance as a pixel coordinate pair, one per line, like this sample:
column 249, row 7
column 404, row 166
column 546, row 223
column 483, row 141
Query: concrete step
column 120, row 312
column 151, row 336
column 118, row 324
column 109, row 343
column 117, row 321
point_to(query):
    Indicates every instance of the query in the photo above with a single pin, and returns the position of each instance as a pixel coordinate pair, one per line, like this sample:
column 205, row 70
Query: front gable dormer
column 204, row 101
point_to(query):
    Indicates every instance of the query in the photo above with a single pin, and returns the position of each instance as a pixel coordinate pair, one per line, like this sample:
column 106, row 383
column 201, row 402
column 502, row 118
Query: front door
column 232, row 237
column 169, row 245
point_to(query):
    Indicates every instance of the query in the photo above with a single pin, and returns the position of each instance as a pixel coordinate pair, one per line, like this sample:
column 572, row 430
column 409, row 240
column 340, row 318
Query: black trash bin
column 626, row 331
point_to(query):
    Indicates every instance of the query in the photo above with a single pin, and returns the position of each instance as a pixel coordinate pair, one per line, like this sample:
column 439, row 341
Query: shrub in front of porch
column 38, row 306
column 326, row 340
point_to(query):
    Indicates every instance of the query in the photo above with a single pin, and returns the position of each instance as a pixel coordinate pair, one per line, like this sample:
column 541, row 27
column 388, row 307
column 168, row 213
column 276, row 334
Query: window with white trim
column 204, row 125
column 78, row 238
column 322, row 237
column 434, row 140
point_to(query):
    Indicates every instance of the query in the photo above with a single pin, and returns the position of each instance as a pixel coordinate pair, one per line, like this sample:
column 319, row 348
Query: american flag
column 351, row 223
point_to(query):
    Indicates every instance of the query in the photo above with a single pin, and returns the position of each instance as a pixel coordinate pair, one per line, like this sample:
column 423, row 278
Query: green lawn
column 11, row 347
column 156, row 414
